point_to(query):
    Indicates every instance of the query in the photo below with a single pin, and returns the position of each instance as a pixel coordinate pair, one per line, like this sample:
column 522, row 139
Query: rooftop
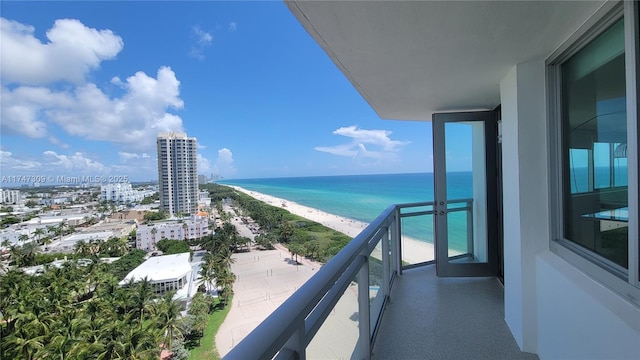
column 160, row 268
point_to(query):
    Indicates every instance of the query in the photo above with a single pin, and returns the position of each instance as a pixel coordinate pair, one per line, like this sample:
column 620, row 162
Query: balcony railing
column 336, row 313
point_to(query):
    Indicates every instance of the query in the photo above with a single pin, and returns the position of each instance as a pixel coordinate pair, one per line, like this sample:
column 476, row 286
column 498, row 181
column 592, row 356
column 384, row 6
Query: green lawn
column 207, row 349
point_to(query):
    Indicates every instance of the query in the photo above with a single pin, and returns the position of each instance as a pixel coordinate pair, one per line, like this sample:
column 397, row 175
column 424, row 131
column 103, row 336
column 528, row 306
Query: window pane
column 578, row 170
column 620, row 164
column 593, row 123
column 602, row 165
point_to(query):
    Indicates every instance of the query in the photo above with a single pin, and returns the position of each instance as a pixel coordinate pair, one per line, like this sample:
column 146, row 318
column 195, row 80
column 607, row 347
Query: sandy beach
column 265, row 279
column 413, row 251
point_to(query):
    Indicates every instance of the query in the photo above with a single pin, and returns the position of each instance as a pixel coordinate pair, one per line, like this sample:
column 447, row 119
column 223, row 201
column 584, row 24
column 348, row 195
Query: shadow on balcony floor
column 445, row 318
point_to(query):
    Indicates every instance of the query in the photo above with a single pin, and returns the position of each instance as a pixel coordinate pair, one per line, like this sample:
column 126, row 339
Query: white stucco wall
column 525, row 187
column 552, row 308
column 579, row 318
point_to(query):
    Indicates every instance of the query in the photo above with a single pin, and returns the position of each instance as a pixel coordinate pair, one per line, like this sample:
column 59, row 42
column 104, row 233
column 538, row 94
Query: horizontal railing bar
column 415, row 204
column 417, row 213
column 459, row 209
column 416, row 265
column 430, row 203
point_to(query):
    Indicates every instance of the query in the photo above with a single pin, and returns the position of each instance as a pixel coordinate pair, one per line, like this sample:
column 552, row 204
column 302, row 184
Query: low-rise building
column 122, row 193
column 165, row 273
column 137, row 215
column 119, row 228
column 204, row 201
column 9, row 196
column 68, row 243
column 148, row 235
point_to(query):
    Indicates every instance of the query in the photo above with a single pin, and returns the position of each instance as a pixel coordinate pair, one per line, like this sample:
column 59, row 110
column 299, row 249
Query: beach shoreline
column 413, row 251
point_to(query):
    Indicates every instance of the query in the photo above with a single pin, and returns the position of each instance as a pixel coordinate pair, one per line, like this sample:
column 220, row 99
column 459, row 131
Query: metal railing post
column 296, row 345
column 396, row 242
column 386, row 266
column 470, row 249
column 364, row 311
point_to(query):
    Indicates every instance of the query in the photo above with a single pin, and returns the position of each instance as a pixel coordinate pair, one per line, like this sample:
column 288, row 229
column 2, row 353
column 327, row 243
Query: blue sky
column 86, row 87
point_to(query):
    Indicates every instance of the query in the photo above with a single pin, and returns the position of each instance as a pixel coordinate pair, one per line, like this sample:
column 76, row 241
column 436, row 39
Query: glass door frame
column 444, row 267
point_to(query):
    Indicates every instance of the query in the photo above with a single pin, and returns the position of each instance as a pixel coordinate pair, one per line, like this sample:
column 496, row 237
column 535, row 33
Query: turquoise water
column 364, row 197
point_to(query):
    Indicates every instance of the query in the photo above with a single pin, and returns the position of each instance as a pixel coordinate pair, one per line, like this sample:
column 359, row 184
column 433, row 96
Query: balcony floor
column 445, row 318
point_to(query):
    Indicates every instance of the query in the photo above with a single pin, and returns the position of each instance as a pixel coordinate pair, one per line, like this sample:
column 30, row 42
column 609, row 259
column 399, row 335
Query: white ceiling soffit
column 411, row 59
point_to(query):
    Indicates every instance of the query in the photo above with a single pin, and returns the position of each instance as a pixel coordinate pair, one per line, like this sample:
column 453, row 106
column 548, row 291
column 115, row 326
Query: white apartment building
column 203, row 199
column 148, row 235
column 177, row 173
column 122, row 193
column 9, row 196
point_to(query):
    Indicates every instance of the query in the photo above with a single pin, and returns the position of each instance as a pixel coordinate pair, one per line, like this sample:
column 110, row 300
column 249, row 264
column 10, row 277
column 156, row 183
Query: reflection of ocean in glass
column 579, row 177
column 364, row 197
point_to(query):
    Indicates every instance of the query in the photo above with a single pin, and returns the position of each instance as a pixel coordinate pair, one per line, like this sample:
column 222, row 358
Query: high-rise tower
column 177, row 173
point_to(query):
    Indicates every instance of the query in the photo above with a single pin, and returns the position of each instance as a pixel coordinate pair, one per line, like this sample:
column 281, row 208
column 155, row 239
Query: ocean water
column 364, row 197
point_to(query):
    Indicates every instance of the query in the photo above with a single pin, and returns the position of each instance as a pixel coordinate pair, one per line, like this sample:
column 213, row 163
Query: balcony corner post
column 386, row 262
column 296, row 346
column 396, row 242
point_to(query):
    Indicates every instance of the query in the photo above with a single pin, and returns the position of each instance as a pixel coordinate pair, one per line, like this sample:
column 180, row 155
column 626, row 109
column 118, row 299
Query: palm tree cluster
column 113, row 247
column 24, row 255
column 80, row 312
column 300, row 236
column 216, row 263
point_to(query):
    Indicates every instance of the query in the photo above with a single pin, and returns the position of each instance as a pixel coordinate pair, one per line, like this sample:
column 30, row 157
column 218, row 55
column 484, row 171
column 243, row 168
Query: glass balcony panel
column 417, row 236
column 376, row 296
column 338, row 336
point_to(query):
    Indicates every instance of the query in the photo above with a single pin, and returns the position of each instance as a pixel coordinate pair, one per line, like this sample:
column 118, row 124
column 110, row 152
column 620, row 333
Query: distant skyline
column 87, row 86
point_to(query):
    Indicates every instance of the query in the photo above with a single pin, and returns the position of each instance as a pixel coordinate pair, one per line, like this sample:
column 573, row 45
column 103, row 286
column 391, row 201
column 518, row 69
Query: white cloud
column 22, row 113
column 56, row 141
column 126, row 156
column 82, row 109
column 10, row 164
column 233, row 26
column 132, row 121
column 72, row 51
column 204, row 165
column 203, row 40
column 383, row 146
column 224, row 163
column 76, row 162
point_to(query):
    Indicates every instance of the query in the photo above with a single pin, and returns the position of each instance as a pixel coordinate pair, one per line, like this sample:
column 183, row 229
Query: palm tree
column 143, row 293
column 154, row 231
column 23, row 238
column 167, row 314
column 82, row 248
column 224, row 258
column 207, row 274
column 94, row 246
column 24, row 255
column 39, row 232
column 112, row 341
column 286, row 231
column 121, row 246
column 225, row 279
column 141, row 344
column 25, row 344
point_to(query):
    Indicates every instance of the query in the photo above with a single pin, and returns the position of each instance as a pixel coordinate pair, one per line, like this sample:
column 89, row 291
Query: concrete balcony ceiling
column 410, row 59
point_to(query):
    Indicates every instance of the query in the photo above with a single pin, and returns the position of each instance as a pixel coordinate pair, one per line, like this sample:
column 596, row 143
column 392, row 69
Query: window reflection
column 594, row 130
